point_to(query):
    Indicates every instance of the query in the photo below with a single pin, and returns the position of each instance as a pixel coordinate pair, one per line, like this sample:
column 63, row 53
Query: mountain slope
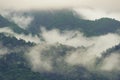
column 14, row 64
column 69, row 20
column 6, row 23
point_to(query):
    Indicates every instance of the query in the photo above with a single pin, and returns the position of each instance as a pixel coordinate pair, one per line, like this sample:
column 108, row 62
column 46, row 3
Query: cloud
column 3, row 50
column 20, row 19
column 70, row 38
column 84, row 50
column 111, row 63
column 27, row 38
column 36, row 61
column 87, row 56
column 39, row 4
column 52, row 4
column 90, row 9
column 76, row 38
column 92, row 14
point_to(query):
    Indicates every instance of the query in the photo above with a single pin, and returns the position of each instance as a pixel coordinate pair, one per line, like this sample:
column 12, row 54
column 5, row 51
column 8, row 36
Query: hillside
column 70, row 20
column 6, row 23
column 60, row 54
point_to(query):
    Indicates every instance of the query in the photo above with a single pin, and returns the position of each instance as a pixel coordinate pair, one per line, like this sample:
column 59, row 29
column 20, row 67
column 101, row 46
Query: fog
column 85, row 52
column 27, row 38
column 18, row 18
column 35, row 59
column 90, row 9
column 112, row 5
column 111, row 63
column 82, row 51
column 93, row 14
column 3, row 50
column 63, row 51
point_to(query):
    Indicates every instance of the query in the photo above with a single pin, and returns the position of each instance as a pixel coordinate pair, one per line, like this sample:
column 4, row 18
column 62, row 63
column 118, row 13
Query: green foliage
column 6, row 23
column 69, row 20
column 13, row 42
column 13, row 66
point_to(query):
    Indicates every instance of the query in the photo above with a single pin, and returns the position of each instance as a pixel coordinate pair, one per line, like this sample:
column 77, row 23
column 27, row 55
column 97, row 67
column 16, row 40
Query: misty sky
column 90, row 9
column 45, row 4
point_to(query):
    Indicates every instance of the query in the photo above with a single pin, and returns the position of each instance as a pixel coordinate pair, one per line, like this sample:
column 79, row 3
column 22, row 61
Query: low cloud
column 70, row 38
column 77, row 39
column 3, row 50
column 87, row 56
column 80, row 50
column 111, row 63
column 20, row 19
column 84, row 51
column 27, row 38
column 36, row 61
column 90, row 9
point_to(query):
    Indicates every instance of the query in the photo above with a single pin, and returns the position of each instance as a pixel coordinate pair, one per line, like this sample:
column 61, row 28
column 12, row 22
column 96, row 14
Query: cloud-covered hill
column 58, row 45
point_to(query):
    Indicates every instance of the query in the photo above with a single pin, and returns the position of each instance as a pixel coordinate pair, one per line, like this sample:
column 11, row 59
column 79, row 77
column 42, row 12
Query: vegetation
column 13, row 65
column 69, row 20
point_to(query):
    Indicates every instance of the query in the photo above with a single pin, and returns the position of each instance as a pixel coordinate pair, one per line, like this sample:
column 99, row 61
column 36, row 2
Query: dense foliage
column 14, row 66
column 69, row 20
